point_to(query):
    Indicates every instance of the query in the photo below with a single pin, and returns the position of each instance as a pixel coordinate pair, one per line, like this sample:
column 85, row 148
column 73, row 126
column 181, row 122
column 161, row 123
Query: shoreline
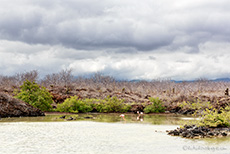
column 128, row 113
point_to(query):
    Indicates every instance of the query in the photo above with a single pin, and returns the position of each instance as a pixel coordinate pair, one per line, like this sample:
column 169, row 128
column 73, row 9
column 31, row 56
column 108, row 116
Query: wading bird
column 140, row 115
column 123, row 117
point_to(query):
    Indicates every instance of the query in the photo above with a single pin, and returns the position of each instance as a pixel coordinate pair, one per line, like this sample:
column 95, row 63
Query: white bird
column 140, row 115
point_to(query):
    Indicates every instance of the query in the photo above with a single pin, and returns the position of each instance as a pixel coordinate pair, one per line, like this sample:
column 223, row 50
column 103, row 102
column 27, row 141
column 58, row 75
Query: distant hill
column 222, row 79
column 215, row 80
column 176, row 81
column 179, row 81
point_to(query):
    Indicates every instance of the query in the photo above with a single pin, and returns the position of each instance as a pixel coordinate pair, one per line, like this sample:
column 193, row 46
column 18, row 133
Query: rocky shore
column 192, row 131
column 12, row 107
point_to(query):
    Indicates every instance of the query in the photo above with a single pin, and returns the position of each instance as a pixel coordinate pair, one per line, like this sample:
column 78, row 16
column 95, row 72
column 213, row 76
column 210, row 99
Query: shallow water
column 103, row 133
column 159, row 119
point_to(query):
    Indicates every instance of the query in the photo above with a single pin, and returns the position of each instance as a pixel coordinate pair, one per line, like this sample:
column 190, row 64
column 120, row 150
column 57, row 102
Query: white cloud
column 126, row 39
column 175, row 65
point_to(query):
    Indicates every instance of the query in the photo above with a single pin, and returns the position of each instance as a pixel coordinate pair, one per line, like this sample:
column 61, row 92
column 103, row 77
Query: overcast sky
column 127, row 39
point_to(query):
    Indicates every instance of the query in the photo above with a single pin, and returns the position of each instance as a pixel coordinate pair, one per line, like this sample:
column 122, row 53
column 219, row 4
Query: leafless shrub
column 165, row 89
column 7, row 81
column 30, row 76
column 63, row 78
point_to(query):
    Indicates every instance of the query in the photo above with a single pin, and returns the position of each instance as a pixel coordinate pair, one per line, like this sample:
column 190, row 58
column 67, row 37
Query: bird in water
column 123, row 117
column 140, row 115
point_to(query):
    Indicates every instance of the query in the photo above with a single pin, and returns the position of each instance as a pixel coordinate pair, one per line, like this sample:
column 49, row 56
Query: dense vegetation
column 209, row 116
column 155, row 107
column 75, row 105
column 215, row 118
column 37, row 96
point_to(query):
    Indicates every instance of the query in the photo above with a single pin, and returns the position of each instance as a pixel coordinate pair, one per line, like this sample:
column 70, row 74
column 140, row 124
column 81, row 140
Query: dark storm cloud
column 112, row 24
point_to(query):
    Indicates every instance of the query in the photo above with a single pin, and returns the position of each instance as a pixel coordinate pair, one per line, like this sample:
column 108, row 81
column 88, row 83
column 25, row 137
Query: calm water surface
column 102, row 134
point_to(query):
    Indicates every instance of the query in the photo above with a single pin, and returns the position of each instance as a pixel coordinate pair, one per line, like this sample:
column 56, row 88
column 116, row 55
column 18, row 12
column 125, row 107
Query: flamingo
column 123, row 117
column 140, row 115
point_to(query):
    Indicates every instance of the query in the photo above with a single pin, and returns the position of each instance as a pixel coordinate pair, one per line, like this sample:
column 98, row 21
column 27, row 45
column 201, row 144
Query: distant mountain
column 222, row 79
column 215, row 80
column 179, row 81
column 176, row 81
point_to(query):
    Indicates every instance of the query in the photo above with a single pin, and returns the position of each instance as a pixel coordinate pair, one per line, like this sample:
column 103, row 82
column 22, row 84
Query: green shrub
column 215, row 118
column 100, row 107
column 75, row 105
column 39, row 97
column 155, row 107
column 195, row 105
column 112, row 104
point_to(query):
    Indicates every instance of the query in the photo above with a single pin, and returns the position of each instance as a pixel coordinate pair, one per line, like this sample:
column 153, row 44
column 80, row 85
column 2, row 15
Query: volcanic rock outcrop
column 12, row 107
column 192, row 131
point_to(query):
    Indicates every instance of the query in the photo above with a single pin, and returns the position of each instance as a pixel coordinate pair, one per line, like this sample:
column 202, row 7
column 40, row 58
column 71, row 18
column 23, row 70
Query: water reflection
column 156, row 119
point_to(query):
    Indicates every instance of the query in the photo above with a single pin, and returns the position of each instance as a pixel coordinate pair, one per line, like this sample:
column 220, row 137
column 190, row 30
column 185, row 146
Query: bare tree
column 31, row 76
column 63, row 78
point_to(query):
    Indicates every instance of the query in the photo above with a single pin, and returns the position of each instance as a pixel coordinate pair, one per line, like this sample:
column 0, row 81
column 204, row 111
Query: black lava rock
column 193, row 131
column 62, row 117
column 70, row 118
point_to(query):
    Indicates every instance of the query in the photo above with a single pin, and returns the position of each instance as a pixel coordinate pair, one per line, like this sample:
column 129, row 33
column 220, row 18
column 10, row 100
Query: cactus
column 226, row 92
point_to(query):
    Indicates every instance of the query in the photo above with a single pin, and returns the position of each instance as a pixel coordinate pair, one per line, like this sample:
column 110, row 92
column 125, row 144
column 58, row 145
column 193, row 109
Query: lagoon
column 102, row 133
